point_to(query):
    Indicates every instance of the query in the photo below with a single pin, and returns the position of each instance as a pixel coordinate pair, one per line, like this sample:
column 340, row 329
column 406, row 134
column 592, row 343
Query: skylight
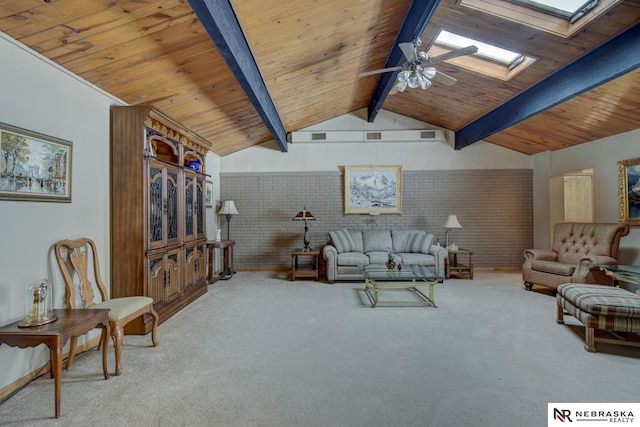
column 569, row 9
column 485, row 50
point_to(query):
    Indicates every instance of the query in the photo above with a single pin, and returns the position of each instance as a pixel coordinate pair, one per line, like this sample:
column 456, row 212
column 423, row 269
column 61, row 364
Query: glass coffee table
column 378, row 276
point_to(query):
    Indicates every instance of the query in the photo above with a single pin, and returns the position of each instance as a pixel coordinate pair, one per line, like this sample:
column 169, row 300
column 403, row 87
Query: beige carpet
column 259, row 350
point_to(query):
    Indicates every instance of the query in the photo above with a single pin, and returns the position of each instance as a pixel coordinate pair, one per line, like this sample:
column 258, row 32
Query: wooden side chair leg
column 117, row 332
column 72, row 351
column 154, row 329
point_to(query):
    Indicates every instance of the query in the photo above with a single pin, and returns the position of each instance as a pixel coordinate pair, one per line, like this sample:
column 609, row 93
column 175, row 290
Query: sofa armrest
column 589, row 262
column 540, row 255
column 440, row 254
column 330, row 255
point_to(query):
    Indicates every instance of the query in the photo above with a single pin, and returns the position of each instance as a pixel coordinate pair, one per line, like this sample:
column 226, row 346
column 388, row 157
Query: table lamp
column 451, row 222
column 305, row 216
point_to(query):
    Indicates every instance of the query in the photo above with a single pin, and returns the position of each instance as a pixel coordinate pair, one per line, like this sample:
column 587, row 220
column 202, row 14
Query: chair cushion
column 553, row 267
column 601, row 300
column 342, row 240
column 122, row 307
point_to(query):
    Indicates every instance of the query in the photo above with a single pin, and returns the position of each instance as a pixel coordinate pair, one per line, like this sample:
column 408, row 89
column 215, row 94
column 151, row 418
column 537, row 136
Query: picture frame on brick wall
column 373, row 190
column 629, row 191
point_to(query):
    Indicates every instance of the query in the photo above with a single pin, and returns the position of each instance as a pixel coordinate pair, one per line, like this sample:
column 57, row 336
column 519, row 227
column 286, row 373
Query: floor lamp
column 228, row 208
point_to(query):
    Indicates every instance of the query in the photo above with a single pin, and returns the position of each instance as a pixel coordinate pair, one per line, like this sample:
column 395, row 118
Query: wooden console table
column 227, row 256
column 70, row 323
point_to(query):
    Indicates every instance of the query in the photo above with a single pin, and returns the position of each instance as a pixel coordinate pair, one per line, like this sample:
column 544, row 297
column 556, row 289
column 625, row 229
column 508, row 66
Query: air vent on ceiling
column 374, row 136
column 318, row 136
column 427, row 134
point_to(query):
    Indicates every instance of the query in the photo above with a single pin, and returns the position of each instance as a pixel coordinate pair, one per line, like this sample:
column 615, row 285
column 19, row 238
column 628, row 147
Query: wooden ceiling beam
column 219, row 19
column 415, row 22
column 611, row 60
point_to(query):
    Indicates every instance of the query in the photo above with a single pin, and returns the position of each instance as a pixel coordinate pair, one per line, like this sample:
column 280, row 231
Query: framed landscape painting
column 373, row 190
column 33, row 166
column 629, row 191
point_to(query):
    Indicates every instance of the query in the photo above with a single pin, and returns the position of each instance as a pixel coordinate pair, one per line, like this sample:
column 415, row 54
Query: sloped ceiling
column 308, row 54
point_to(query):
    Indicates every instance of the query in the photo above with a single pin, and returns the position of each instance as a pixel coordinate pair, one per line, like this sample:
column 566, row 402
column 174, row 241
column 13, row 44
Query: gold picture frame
column 629, row 191
column 33, row 166
column 373, row 190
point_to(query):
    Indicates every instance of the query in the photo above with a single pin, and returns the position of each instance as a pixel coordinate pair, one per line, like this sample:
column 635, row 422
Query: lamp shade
column 452, row 222
column 228, row 208
column 304, row 215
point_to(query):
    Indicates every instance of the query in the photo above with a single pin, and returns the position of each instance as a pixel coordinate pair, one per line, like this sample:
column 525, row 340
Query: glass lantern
column 38, row 304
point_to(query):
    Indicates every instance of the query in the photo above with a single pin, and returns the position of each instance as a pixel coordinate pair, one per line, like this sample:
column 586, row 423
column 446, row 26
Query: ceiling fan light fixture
column 429, row 72
column 401, row 86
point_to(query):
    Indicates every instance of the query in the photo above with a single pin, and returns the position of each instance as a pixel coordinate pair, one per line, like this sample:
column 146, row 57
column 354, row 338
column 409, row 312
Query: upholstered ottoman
column 600, row 307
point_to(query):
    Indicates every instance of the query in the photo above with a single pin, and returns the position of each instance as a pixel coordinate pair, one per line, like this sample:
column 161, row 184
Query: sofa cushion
column 379, row 257
column 400, row 238
column 352, row 258
column 342, row 240
column 419, row 242
column 419, row 259
column 553, row 267
column 356, row 236
column 376, row 240
column 602, row 300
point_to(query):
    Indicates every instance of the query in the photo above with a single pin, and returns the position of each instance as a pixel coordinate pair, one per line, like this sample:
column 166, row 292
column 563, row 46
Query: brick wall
column 494, row 207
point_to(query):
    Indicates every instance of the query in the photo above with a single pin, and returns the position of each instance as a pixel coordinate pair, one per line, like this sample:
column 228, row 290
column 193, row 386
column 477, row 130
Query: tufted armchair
column 576, row 251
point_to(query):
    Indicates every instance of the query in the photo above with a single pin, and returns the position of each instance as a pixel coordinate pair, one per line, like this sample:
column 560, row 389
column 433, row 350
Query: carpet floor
column 260, row 350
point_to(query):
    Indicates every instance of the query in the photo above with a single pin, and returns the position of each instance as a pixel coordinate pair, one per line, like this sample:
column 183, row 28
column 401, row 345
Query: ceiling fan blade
column 409, row 51
column 469, row 50
column 380, row 71
column 443, row 78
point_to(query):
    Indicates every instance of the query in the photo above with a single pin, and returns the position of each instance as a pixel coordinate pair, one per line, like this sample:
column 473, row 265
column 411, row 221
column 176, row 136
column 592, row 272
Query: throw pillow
column 342, row 240
column 419, row 242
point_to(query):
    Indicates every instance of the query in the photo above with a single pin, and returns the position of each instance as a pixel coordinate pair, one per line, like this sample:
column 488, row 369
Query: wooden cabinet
column 158, row 237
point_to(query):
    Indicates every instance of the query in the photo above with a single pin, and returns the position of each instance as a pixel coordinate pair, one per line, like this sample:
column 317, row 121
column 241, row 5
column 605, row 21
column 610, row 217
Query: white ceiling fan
column 417, row 69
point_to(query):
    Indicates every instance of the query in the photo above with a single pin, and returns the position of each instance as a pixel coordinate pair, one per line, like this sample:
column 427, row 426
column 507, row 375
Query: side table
column 304, row 270
column 227, row 256
column 454, row 265
column 70, row 323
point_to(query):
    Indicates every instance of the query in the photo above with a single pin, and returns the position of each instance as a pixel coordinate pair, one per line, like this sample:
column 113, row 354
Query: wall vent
column 381, row 136
column 427, row 134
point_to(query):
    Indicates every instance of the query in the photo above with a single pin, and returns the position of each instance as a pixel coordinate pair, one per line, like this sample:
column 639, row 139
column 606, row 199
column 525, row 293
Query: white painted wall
column 325, row 156
column 41, row 97
column 601, row 156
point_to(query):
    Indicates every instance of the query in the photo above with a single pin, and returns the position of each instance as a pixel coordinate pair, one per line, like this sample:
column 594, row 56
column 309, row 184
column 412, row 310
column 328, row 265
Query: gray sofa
column 349, row 248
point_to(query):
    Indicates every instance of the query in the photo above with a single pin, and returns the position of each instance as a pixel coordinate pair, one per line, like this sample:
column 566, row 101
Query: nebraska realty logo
column 593, row 413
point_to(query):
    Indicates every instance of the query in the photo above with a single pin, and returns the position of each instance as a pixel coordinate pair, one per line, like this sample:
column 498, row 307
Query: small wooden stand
column 227, row 256
column 304, row 270
column 455, row 268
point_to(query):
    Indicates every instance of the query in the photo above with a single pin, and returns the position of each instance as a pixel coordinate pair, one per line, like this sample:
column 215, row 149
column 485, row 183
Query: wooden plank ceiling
column 309, row 54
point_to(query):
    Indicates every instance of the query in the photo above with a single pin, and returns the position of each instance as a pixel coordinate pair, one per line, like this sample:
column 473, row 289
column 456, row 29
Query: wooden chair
column 73, row 260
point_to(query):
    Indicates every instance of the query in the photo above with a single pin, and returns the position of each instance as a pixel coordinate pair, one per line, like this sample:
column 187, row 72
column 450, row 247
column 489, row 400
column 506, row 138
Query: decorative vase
column 391, row 265
column 218, row 235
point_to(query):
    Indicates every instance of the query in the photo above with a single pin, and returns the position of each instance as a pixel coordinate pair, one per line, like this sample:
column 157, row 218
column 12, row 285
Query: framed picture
column 33, row 166
column 629, row 191
column 208, row 194
column 373, row 190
